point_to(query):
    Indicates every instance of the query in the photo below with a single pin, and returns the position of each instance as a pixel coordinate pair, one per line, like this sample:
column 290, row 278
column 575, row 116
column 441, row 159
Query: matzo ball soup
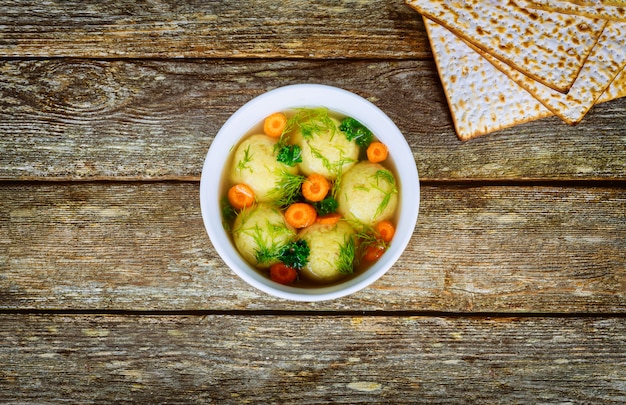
column 310, row 197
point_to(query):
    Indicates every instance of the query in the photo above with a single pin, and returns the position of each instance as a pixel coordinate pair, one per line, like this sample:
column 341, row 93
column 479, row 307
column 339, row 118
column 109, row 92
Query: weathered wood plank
column 77, row 119
column 143, row 246
column 201, row 29
column 311, row 359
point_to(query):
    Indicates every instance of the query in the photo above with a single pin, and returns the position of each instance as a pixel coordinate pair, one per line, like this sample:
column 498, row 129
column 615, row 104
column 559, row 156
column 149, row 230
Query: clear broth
column 302, row 282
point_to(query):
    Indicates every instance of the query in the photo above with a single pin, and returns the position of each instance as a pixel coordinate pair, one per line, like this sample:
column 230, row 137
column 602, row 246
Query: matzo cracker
column 617, row 89
column 481, row 98
column 607, row 59
column 588, row 8
column 546, row 46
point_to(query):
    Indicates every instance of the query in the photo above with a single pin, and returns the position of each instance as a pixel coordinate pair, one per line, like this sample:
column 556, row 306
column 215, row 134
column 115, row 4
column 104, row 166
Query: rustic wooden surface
column 512, row 290
column 147, row 119
column 312, row 359
column 327, row 29
column 142, row 246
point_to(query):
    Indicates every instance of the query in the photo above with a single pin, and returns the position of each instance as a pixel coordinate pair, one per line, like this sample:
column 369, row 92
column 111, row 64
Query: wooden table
column 512, row 290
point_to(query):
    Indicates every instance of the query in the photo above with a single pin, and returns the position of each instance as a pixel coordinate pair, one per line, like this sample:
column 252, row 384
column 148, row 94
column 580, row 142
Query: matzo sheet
column 481, row 98
column 617, row 89
column 588, row 8
column 546, row 46
column 607, row 59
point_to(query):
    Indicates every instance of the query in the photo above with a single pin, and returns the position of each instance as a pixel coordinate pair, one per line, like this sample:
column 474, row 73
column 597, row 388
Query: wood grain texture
column 213, row 29
column 311, row 359
column 143, row 246
column 72, row 119
column 111, row 292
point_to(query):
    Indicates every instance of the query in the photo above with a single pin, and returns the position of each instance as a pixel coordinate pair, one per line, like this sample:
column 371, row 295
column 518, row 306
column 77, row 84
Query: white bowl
column 344, row 103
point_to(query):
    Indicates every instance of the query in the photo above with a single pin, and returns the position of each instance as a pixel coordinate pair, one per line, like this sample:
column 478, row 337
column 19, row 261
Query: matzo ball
column 259, row 232
column 367, row 193
column 332, row 249
column 325, row 149
column 255, row 164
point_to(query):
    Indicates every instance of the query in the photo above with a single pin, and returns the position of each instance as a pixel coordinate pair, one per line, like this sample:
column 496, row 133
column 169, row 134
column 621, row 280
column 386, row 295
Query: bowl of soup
column 309, row 192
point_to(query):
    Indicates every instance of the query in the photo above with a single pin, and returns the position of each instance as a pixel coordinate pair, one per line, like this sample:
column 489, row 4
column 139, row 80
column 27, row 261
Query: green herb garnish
column 345, row 261
column 334, row 167
column 290, row 155
column 247, row 157
column 295, row 254
column 311, row 121
column 228, row 213
column 385, row 175
column 288, row 190
column 327, row 206
column 366, row 235
column 267, row 252
column 264, row 253
column 357, row 132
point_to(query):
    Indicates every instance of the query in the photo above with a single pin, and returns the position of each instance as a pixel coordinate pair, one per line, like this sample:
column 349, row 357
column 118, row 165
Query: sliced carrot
column 328, row 219
column 377, row 152
column 300, row 215
column 385, row 230
column 315, row 187
column 373, row 252
column 241, row 196
column 275, row 124
column 283, row 274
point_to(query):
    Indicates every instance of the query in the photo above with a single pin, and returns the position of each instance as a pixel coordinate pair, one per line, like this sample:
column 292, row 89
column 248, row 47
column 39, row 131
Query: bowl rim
column 297, row 96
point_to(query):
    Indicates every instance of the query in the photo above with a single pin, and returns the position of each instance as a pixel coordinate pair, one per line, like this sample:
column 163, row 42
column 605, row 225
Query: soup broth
column 366, row 234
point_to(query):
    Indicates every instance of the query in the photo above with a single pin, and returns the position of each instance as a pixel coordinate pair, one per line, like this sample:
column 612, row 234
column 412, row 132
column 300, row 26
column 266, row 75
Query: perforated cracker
column 481, row 98
column 589, row 8
column 617, row 89
column 607, row 59
column 546, row 46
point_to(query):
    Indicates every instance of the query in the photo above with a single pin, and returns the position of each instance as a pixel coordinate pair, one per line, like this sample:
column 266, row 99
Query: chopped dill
column 318, row 155
column 334, row 168
column 367, row 236
column 276, row 229
column 263, row 253
column 311, row 121
column 347, row 252
column 267, row 252
column 243, row 214
column 228, row 213
column 247, row 157
column 336, row 187
column 288, row 190
column 386, row 176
